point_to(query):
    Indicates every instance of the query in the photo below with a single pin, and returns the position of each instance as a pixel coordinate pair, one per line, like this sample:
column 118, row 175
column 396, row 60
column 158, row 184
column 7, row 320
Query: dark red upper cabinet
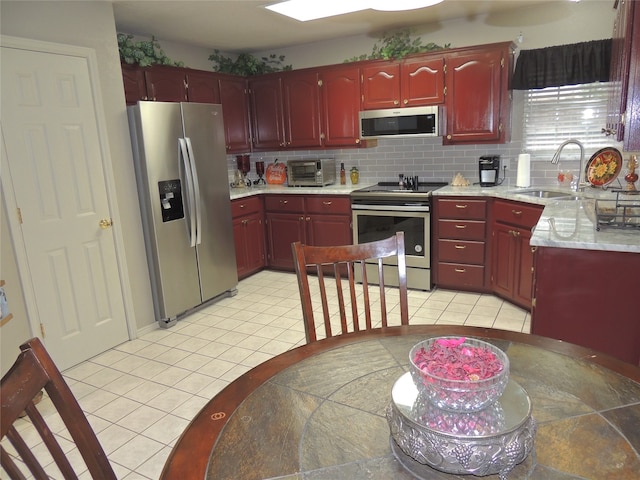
column 302, row 115
column 235, row 111
column 422, row 81
column 478, row 101
column 135, row 88
column 266, row 112
column 341, row 106
column 412, row 82
column 202, row 87
column 381, row 85
column 623, row 116
column 166, row 84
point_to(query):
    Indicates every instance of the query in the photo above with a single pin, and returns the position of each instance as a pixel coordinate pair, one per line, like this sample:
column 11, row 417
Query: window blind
column 555, row 114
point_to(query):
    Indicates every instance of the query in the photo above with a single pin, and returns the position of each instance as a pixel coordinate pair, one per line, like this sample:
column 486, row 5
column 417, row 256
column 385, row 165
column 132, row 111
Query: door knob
column 105, row 223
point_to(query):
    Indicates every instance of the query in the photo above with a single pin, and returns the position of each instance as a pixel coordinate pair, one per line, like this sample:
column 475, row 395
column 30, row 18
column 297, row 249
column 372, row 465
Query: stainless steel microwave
column 311, row 173
column 400, row 122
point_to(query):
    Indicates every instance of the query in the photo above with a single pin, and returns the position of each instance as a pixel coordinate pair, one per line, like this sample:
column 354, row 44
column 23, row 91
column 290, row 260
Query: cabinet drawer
column 461, row 229
column 328, row 204
column 460, row 275
column 515, row 213
column 462, row 208
column 244, row 206
column 459, row 251
column 284, row 203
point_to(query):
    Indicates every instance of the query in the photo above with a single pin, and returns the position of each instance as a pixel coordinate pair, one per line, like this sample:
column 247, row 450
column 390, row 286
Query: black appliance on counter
column 489, row 170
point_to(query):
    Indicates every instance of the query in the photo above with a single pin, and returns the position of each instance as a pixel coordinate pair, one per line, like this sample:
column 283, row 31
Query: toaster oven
column 311, row 173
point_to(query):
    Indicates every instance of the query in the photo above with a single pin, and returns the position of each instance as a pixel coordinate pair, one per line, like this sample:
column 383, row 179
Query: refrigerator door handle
column 191, row 224
column 196, row 191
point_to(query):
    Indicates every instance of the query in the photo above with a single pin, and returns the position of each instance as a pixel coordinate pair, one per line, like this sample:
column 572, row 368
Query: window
column 555, row 114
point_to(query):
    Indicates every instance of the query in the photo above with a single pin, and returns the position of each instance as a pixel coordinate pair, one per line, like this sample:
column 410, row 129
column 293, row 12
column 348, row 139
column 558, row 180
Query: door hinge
column 19, row 213
column 502, row 62
column 42, row 334
column 533, row 302
column 319, row 83
column 444, row 68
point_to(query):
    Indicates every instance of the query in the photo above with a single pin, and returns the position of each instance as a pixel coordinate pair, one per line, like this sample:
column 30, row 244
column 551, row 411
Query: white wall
column 91, row 24
column 552, row 23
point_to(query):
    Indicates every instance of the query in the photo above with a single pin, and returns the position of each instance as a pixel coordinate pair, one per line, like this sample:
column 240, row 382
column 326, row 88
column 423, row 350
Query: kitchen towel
column 523, row 178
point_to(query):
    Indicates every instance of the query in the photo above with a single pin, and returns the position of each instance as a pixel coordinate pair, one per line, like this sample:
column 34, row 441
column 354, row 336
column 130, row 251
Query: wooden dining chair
column 352, row 258
column 33, row 371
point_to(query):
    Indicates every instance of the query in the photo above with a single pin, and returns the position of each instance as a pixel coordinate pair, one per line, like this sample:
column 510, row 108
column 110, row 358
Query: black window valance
column 585, row 62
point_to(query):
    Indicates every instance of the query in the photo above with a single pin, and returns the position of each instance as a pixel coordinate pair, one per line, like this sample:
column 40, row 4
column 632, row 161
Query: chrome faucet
column 556, row 157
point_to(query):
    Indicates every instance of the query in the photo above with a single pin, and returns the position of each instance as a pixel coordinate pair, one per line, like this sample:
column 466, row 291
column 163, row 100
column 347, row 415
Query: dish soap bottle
column 343, row 175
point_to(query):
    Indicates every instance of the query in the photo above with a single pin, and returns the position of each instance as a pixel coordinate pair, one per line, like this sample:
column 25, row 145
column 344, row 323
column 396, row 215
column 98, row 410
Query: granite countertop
column 564, row 223
column 335, row 189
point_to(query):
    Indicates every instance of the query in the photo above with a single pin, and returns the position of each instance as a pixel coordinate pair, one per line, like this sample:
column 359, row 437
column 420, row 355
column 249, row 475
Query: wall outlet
column 506, row 164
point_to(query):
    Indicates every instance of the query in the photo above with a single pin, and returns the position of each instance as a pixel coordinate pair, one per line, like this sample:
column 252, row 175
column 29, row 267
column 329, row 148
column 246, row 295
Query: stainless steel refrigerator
column 181, row 172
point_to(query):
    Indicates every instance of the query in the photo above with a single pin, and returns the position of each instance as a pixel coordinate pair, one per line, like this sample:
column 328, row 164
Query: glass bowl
column 460, row 395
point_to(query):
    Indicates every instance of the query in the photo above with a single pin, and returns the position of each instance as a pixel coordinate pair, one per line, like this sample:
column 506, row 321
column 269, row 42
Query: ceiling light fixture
column 303, row 10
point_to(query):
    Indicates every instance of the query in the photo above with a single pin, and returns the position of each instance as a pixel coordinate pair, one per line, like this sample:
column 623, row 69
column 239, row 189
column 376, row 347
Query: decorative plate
column 603, row 167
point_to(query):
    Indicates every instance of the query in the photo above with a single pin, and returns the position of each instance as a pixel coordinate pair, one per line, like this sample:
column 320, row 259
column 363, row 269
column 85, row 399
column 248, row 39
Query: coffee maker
column 489, row 170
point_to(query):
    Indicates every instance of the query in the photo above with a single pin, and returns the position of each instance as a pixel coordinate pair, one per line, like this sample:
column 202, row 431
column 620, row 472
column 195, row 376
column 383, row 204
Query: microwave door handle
column 183, row 155
column 196, row 191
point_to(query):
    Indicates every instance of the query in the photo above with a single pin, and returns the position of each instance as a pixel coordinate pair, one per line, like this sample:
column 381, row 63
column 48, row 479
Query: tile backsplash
column 425, row 157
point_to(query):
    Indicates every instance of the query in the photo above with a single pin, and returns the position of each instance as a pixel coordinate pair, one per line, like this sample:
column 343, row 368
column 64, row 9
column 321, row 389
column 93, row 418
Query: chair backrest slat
column 33, row 371
column 345, row 261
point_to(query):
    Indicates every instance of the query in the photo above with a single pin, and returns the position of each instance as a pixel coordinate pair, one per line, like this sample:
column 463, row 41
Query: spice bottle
column 343, row 175
column 355, row 175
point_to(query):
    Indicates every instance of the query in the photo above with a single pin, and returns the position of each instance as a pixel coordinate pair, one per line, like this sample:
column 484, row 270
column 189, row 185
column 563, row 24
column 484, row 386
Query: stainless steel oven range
column 386, row 208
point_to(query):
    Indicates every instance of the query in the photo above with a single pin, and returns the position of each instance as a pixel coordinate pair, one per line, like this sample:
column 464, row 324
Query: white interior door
column 55, row 165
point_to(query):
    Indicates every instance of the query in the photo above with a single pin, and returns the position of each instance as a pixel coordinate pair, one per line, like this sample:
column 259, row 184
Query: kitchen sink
column 540, row 193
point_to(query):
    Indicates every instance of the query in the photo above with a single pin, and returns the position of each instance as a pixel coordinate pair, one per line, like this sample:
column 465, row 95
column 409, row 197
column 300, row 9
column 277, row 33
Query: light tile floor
column 140, row 396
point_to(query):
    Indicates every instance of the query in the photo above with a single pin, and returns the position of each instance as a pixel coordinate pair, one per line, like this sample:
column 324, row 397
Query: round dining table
column 318, row 412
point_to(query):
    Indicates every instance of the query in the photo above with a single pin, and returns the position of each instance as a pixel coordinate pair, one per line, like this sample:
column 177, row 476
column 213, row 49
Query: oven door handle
column 392, row 208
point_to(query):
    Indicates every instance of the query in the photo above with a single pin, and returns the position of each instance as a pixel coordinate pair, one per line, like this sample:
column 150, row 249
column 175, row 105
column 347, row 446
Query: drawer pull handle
column 326, row 202
column 460, row 270
column 461, row 226
column 460, row 247
column 514, row 233
column 461, row 206
column 517, row 212
column 242, row 205
column 284, row 202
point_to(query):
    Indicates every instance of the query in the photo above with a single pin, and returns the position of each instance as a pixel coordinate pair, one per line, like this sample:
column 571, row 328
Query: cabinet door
column 475, row 92
column 240, row 242
column 523, row 277
column 328, row 230
column 135, row 88
column 341, row 106
column 504, row 252
column 623, row 116
column 235, row 111
column 422, row 81
column 248, row 235
column 302, row 117
column 266, row 111
column 202, row 87
column 166, row 84
column 282, row 230
column 381, row 85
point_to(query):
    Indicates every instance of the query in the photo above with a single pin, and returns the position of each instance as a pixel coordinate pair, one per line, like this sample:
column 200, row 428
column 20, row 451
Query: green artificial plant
column 143, row 53
column 396, row 45
column 247, row 65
